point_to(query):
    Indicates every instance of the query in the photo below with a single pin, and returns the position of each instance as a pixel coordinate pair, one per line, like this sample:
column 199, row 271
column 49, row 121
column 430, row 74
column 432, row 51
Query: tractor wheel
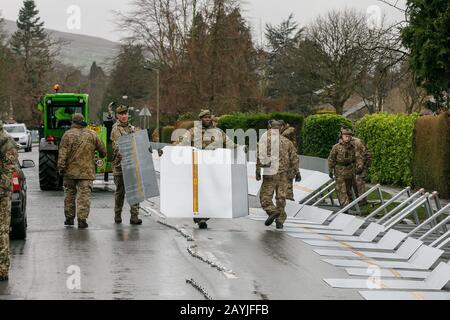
column 49, row 179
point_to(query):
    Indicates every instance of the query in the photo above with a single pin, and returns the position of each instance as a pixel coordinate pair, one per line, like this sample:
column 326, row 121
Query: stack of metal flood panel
column 381, row 255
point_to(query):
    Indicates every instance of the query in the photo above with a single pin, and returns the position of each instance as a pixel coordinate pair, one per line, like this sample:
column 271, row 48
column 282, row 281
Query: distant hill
column 81, row 50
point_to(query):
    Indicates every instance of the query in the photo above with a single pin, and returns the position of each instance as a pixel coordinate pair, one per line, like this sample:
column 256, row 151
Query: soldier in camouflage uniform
column 8, row 160
column 76, row 162
column 206, row 136
column 343, row 163
column 277, row 171
column 121, row 127
column 289, row 132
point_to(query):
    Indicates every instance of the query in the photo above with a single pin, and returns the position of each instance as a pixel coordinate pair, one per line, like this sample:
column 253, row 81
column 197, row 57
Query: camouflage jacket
column 119, row 129
column 344, row 161
column 77, row 153
column 290, row 134
column 206, row 138
column 363, row 152
column 8, row 160
column 286, row 160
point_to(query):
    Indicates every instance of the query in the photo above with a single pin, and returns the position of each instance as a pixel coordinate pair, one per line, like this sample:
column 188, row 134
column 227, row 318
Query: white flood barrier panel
column 194, row 182
column 388, row 242
column 351, row 228
column 367, row 236
column 137, row 167
column 404, row 252
column 437, row 279
column 405, row 295
column 388, row 273
column 423, row 259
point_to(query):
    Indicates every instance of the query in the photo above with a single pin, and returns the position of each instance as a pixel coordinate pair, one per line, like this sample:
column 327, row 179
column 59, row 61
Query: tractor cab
column 57, row 111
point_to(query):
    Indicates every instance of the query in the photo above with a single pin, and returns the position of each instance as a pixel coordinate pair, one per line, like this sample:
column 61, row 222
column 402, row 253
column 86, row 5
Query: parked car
column 19, row 201
column 21, row 135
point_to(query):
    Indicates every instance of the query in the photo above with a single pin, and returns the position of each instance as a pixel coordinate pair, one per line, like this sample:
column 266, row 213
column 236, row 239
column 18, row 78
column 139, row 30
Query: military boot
column 279, row 226
column 118, row 218
column 135, row 221
column 271, row 219
column 203, row 225
column 70, row 222
column 82, row 224
column 4, row 278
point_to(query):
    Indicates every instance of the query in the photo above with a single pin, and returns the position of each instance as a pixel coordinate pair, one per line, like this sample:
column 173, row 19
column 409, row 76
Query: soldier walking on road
column 289, row 133
column 343, row 163
column 121, row 127
column 8, row 160
column 76, row 162
column 278, row 157
column 208, row 136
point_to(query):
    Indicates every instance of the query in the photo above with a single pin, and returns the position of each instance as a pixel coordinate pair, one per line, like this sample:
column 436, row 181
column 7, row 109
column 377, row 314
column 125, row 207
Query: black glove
column 298, row 177
column 258, row 176
column 331, row 176
column 160, row 152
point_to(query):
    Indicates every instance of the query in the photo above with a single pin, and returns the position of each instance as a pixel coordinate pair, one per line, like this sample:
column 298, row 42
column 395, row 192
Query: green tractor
column 58, row 109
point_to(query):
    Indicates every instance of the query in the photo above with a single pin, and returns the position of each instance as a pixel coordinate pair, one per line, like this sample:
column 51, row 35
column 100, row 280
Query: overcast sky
column 97, row 17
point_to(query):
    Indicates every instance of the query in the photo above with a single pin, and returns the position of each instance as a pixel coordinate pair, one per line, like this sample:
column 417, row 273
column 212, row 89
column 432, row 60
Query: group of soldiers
column 348, row 163
column 76, row 163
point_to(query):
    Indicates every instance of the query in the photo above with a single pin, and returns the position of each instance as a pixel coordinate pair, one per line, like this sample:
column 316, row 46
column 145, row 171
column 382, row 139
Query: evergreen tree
column 427, row 36
column 33, row 46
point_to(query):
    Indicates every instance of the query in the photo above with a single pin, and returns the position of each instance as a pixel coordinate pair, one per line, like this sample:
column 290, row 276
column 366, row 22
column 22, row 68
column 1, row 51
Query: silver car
column 21, row 135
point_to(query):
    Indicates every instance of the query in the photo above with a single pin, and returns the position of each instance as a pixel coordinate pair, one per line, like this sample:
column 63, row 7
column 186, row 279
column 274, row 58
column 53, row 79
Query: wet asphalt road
column 154, row 261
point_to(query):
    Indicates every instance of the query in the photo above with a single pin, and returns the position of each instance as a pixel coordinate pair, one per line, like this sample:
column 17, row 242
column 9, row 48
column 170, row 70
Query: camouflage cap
column 204, row 113
column 276, row 123
column 346, row 131
column 121, row 109
column 77, row 117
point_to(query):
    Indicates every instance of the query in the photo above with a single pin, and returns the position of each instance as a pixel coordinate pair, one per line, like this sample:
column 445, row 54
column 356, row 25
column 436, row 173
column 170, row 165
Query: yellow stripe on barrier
column 395, row 273
column 195, row 181
column 418, row 296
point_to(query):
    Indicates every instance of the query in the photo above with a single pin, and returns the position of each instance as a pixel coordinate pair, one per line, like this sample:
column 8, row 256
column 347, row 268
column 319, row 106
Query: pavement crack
column 199, row 288
column 179, row 230
column 228, row 273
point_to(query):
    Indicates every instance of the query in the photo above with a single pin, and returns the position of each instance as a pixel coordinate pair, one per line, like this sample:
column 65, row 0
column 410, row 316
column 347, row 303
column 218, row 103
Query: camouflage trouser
column 5, row 221
column 277, row 184
column 120, row 198
column 77, row 198
column 361, row 184
column 344, row 188
column 290, row 190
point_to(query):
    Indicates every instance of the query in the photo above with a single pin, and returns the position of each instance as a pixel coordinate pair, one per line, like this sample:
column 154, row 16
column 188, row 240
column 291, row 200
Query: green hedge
column 321, row 132
column 431, row 163
column 259, row 121
column 166, row 134
column 389, row 138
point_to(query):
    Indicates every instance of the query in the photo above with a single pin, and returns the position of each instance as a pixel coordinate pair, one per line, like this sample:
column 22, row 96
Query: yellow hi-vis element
column 195, row 181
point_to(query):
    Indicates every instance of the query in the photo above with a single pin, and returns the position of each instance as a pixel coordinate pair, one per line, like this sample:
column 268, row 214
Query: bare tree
column 413, row 96
column 344, row 62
